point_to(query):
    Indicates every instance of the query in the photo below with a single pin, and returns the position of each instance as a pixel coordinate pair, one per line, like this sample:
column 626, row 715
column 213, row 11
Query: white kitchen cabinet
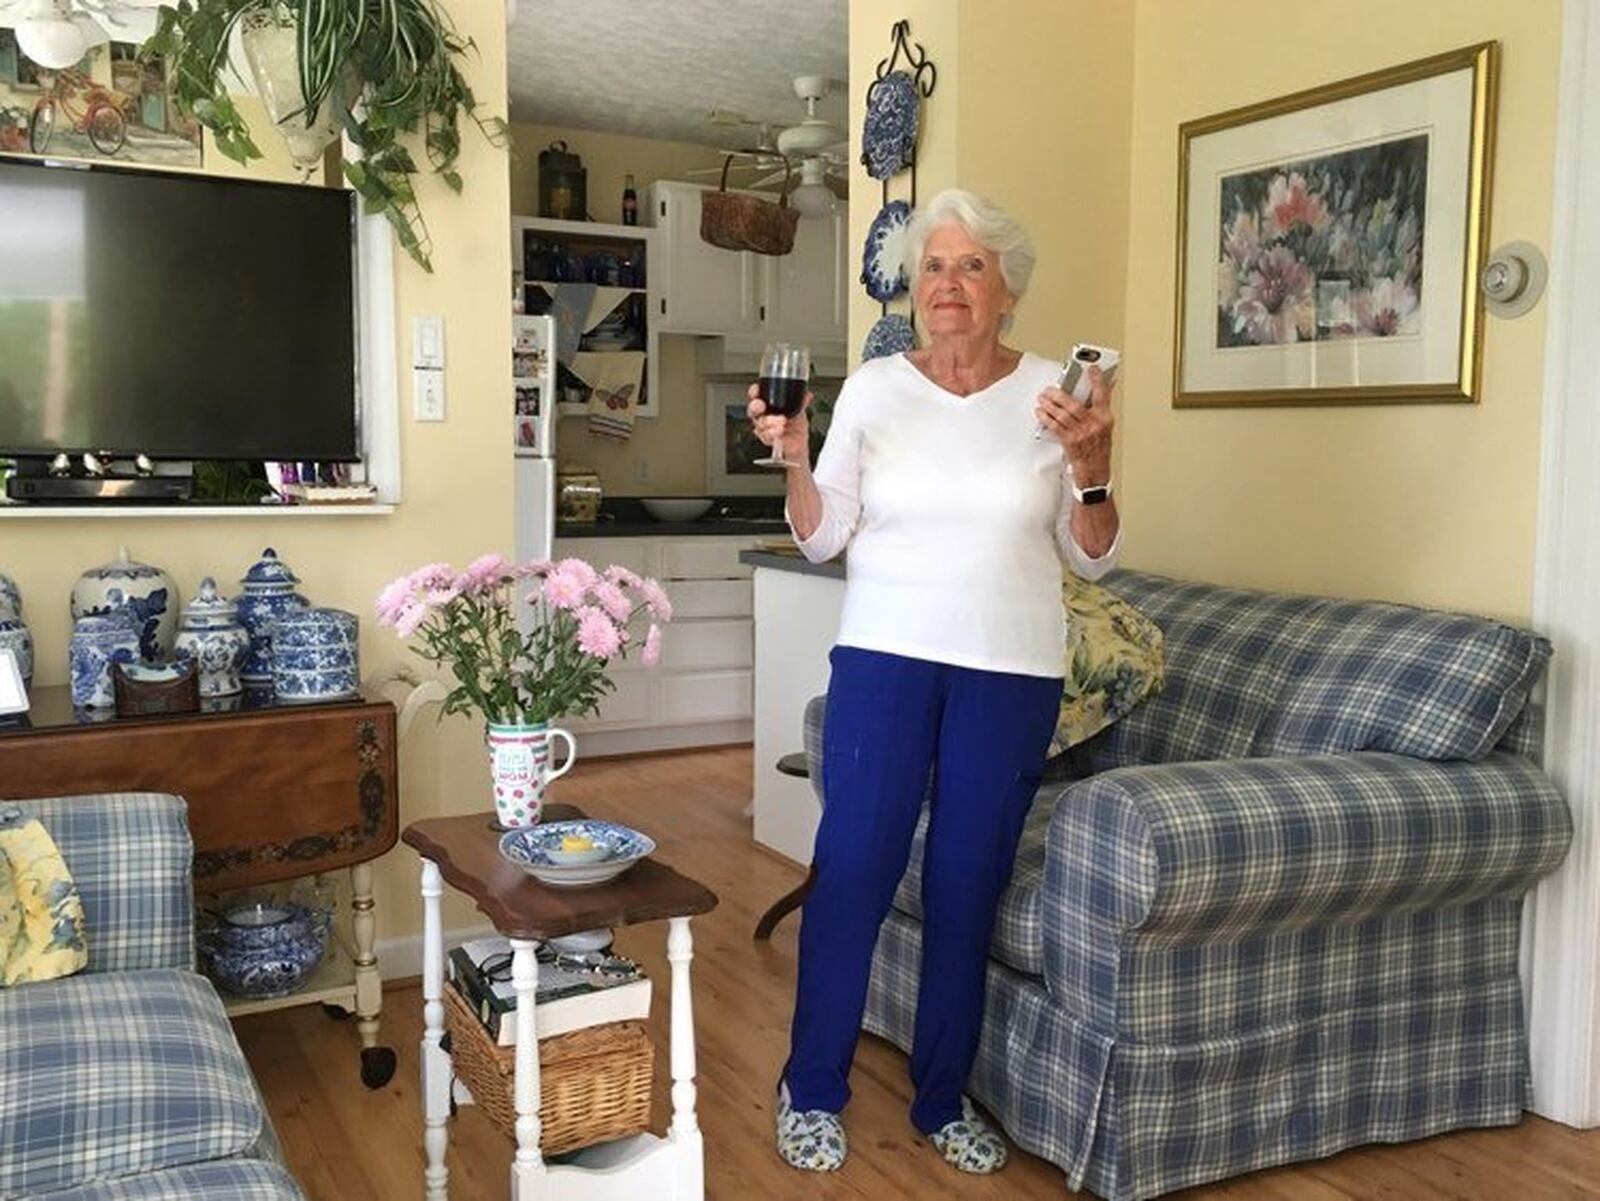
column 805, row 296
column 702, row 690
column 704, row 289
column 701, row 289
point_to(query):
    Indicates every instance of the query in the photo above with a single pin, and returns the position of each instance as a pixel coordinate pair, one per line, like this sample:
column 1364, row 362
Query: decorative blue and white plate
column 889, row 133
column 883, row 258
column 537, row 851
column 890, row 334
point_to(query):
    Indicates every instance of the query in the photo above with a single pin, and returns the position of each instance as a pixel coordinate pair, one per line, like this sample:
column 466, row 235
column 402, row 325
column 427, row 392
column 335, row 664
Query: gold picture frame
column 1330, row 242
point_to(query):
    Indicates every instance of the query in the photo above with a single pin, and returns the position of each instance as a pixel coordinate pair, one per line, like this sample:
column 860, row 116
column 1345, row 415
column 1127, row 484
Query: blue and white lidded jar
column 315, row 655
column 98, row 641
column 147, row 594
column 268, row 595
column 10, row 597
column 14, row 637
column 211, row 635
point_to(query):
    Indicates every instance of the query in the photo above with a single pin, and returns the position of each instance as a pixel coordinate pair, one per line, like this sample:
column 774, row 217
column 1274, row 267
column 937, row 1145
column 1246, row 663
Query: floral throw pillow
column 1114, row 660
column 41, row 914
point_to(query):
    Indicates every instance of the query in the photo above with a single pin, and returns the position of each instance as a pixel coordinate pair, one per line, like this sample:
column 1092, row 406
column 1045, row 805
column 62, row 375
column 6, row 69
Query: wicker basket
column 594, row 1084
column 736, row 222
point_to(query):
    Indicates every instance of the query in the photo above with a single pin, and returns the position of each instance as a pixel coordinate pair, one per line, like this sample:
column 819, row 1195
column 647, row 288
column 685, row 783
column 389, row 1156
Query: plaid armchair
column 124, row 1082
column 1275, row 911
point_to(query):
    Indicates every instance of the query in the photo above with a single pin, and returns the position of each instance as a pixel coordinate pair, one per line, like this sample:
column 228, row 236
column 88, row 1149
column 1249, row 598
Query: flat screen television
column 180, row 316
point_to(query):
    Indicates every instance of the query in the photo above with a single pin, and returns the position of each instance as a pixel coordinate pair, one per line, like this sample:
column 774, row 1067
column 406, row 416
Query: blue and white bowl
column 889, row 131
column 262, row 949
column 883, row 257
column 537, row 851
column 315, row 655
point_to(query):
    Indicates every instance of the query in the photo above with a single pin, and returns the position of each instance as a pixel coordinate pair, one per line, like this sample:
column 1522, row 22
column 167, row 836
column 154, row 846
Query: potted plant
column 380, row 70
column 521, row 677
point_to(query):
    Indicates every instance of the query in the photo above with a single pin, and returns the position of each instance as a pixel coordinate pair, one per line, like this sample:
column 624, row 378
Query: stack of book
column 573, row 992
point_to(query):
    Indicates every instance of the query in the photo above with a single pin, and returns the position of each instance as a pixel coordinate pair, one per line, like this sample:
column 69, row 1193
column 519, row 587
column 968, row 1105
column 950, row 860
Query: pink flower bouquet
column 554, row 663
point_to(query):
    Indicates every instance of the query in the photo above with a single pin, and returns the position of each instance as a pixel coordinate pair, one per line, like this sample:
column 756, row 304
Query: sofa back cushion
column 1257, row 673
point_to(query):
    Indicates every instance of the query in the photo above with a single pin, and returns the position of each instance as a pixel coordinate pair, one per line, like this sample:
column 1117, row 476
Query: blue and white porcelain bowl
column 883, row 257
column 315, row 655
column 263, row 949
column 889, row 130
column 537, row 851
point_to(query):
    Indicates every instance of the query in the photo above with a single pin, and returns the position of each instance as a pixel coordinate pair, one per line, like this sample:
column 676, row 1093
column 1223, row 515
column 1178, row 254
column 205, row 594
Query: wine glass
column 785, row 371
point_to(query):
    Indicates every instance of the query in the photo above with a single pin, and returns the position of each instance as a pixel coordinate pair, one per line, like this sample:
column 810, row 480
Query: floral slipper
column 812, row 1141
column 970, row 1143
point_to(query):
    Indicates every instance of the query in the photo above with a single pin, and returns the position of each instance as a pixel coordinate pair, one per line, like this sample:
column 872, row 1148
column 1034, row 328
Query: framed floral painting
column 1330, row 242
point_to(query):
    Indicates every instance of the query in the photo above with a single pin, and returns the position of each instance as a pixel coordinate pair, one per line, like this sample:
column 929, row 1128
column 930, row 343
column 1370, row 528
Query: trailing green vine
column 389, row 68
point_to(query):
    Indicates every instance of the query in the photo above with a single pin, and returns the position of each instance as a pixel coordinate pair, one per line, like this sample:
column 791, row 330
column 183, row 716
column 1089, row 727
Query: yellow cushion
column 41, row 914
column 1114, row 660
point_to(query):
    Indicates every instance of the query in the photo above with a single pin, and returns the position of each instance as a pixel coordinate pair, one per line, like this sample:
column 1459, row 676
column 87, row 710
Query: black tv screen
column 182, row 316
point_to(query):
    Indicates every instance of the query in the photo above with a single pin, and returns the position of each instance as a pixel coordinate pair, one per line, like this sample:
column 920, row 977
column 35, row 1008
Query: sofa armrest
column 1218, row 850
column 131, row 857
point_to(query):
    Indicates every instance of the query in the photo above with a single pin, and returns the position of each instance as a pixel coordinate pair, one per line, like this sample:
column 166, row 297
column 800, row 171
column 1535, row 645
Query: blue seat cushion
column 104, row 1076
column 219, row 1180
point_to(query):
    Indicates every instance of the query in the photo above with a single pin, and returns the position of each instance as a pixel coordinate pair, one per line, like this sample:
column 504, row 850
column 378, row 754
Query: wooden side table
column 464, row 851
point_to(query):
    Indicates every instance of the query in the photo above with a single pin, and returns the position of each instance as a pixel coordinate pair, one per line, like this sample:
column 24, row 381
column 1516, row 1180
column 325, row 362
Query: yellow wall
column 668, row 450
column 1426, row 504
column 457, row 480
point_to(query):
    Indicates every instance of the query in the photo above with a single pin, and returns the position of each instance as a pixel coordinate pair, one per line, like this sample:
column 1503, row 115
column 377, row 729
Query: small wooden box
column 142, row 698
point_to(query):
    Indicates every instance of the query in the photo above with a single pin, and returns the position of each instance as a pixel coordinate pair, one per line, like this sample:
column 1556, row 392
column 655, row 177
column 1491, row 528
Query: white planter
column 270, row 47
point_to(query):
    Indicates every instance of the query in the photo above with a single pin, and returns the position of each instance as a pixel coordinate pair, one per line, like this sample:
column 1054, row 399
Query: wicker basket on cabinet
column 594, row 1084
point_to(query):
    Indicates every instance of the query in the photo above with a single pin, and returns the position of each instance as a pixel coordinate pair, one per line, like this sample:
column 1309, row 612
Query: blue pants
column 890, row 720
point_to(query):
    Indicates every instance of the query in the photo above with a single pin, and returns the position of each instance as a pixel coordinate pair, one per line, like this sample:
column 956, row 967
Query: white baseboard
column 401, row 958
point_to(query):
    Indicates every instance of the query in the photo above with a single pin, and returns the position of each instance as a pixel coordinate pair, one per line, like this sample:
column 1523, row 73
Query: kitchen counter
column 833, row 569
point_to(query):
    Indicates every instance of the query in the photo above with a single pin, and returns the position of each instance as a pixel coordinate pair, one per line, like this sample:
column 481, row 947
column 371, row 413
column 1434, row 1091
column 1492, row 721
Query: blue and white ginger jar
column 14, row 637
column 147, row 594
column 268, row 595
column 10, row 597
column 211, row 635
column 97, row 642
column 315, row 655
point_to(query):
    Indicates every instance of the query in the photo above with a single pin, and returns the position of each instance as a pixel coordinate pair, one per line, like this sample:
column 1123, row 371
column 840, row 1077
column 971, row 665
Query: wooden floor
column 348, row 1144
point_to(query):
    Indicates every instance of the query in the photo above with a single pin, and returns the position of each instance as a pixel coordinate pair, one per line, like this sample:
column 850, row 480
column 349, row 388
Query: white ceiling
column 654, row 68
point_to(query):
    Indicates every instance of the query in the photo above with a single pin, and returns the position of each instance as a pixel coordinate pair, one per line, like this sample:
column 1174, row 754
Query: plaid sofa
column 124, row 1082
column 1275, row 911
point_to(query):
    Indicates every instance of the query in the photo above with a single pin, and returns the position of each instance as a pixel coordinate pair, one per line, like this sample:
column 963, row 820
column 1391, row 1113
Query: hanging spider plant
column 378, row 69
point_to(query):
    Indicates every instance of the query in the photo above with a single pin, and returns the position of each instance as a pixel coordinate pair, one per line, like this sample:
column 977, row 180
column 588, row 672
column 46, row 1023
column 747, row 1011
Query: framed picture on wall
column 732, row 447
column 1330, row 242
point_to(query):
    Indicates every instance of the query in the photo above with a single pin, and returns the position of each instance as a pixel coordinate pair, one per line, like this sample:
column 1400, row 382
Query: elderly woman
column 957, row 519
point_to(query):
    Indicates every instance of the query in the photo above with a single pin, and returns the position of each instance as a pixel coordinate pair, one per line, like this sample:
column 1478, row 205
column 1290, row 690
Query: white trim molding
column 1561, row 932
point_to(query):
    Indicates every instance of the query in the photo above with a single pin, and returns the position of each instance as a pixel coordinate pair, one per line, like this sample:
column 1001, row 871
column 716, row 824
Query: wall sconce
column 1514, row 279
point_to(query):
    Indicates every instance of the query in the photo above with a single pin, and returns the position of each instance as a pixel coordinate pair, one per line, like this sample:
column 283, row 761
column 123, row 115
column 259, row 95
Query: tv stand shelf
column 136, row 511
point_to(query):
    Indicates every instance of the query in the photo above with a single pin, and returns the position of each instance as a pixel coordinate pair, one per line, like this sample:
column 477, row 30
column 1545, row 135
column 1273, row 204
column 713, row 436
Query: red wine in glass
column 785, row 373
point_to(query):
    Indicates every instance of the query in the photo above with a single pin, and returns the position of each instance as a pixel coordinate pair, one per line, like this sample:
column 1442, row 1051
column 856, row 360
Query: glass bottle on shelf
column 630, row 202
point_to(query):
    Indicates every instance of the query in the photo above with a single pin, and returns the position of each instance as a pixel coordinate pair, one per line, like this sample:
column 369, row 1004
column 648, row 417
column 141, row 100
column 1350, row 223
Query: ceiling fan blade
column 775, row 178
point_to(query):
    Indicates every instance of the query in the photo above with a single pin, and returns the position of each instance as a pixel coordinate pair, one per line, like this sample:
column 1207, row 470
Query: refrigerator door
column 535, row 497
column 533, row 381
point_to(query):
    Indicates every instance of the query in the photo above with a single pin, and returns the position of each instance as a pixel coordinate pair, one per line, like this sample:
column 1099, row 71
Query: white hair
column 986, row 223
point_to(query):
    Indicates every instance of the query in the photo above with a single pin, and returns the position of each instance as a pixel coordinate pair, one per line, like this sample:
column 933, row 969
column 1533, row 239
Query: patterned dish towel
column 41, row 914
column 614, row 378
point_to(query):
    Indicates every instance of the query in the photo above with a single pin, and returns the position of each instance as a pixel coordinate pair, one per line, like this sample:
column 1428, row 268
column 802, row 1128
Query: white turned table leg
column 364, row 927
column 528, row 1168
column 689, row 1164
column 436, row 1069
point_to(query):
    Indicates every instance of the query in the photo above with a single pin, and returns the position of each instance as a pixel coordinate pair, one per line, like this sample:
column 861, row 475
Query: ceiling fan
column 816, row 151
column 56, row 34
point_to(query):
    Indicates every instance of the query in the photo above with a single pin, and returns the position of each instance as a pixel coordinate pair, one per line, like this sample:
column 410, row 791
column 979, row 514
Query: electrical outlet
column 427, row 394
column 641, row 471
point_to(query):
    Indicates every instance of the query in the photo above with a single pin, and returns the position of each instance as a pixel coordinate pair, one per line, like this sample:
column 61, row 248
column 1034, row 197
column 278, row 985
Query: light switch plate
column 427, row 390
column 427, row 341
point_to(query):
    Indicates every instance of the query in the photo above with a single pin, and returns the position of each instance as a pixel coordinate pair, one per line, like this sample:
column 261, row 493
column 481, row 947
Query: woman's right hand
column 793, row 432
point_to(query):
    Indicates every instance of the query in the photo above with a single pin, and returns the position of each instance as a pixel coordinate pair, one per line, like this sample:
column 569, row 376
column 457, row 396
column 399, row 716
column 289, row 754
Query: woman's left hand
column 1084, row 430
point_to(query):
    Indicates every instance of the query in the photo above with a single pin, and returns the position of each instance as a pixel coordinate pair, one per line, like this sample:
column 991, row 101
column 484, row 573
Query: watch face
column 1094, row 496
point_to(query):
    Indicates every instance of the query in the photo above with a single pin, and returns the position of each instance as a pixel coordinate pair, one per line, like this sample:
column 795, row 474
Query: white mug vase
column 519, row 765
